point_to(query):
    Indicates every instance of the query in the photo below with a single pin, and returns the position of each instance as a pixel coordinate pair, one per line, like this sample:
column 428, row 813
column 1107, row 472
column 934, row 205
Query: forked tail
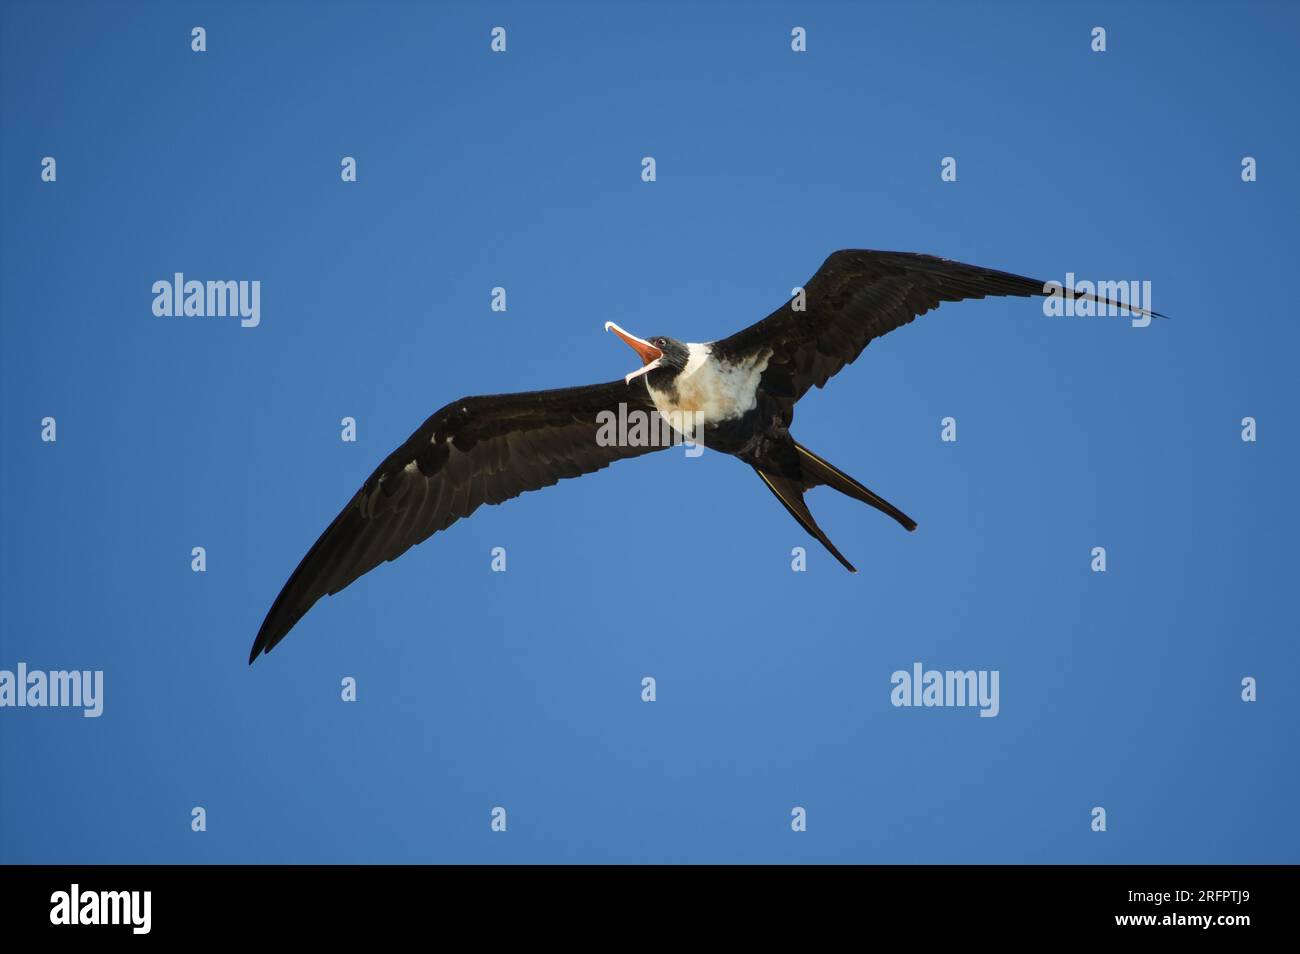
column 817, row 471
column 791, row 496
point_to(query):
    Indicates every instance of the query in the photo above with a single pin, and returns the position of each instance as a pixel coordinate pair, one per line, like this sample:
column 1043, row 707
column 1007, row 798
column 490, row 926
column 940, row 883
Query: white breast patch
column 709, row 391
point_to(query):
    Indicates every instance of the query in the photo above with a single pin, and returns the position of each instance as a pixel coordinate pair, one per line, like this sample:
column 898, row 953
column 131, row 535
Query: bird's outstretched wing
column 474, row 451
column 855, row 297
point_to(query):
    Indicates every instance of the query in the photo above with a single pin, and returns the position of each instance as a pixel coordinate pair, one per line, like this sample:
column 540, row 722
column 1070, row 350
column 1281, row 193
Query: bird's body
column 712, row 389
column 711, row 392
column 735, row 396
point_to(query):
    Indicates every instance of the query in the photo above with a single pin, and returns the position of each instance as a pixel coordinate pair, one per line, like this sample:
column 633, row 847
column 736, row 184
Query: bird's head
column 662, row 359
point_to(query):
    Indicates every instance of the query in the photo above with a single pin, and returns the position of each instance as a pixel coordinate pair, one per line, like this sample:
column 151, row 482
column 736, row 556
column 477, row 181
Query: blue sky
column 523, row 689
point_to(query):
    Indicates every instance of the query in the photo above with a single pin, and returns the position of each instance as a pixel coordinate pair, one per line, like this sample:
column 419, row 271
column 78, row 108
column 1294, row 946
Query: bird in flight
column 736, row 396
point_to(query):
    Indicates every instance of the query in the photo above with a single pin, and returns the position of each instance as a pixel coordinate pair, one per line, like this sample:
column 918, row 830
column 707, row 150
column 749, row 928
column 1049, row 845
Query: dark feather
column 855, row 297
column 479, row 450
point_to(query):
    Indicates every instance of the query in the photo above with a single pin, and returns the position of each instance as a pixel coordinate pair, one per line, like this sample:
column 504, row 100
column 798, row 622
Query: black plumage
column 859, row 295
column 489, row 449
column 479, row 450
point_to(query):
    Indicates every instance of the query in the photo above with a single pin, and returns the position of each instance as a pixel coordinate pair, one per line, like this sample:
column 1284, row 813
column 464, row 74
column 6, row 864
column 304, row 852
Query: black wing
column 474, row 451
column 856, row 296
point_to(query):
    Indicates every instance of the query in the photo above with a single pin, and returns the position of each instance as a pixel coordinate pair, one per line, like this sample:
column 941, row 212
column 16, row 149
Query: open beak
column 649, row 354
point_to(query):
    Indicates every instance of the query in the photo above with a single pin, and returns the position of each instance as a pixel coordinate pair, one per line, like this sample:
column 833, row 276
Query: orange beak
column 648, row 353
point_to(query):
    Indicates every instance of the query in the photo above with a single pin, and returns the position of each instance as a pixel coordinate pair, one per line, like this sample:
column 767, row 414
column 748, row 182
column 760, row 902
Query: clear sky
column 522, row 690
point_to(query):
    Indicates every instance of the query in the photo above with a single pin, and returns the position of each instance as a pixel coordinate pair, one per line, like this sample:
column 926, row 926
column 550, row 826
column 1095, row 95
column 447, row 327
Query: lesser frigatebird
column 736, row 395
